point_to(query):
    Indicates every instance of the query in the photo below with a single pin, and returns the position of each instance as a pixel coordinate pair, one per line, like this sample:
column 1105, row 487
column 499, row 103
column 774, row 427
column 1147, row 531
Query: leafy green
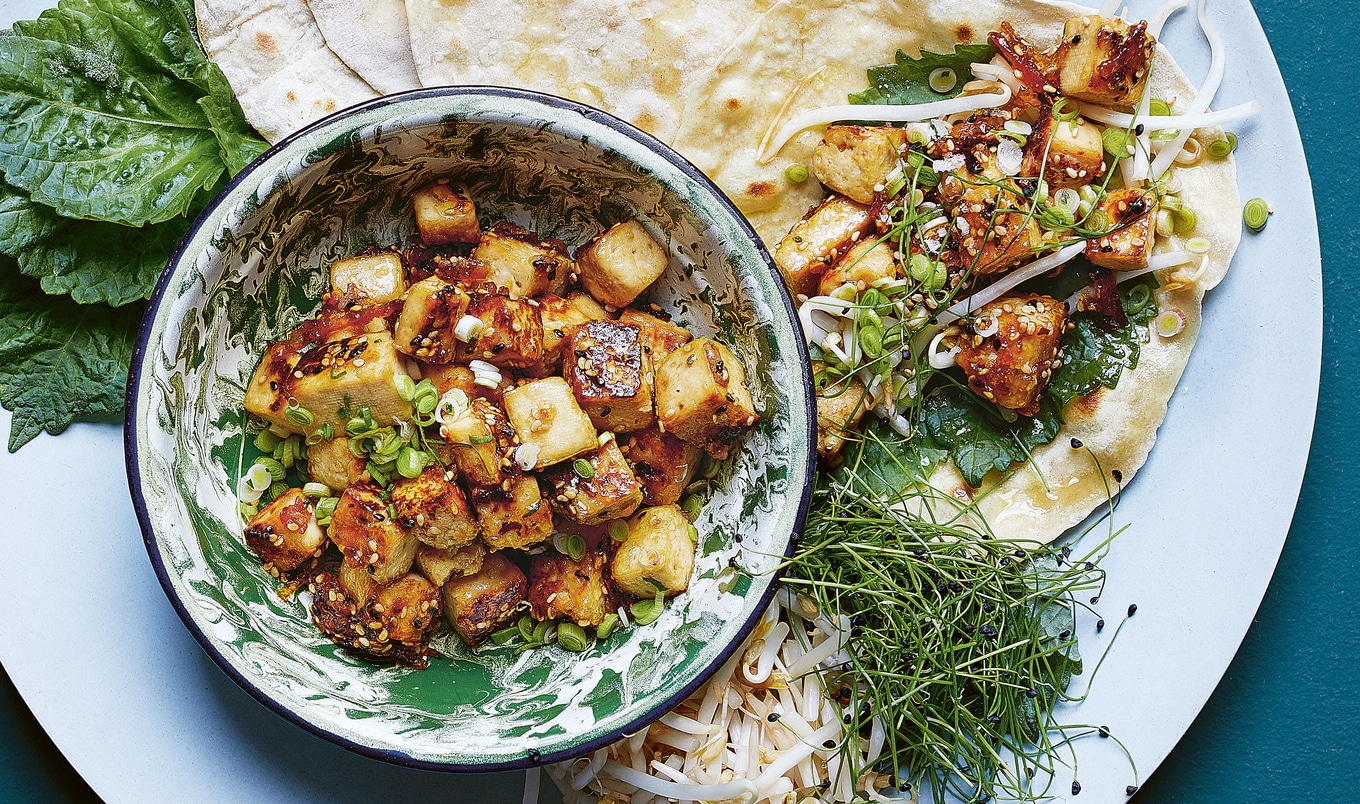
column 884, row 464
column 59, row 361
column 976, row 437
column 907, row 80
column 1095, row 355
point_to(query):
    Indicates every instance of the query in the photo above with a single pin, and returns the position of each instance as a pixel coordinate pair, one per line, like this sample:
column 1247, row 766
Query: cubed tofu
column 433, row 508
column 511, row 333
column 854, row 160
column 514, row 517
column 596, row 487
column 1012, row 366
column 610, row 374
column 445, row 214
column 408, row 608
column 997, row 241
column 284, row 533
column 575, row 590
column 329, row 461
column 867, row 262
column 368, row 537
column 358, row 584
column 357, row 624
column 546, row 414
column 841, row 404
column 1104, row 60
column 701, row 396
column 522, row 262
column 449, row 376
column 660, row 547
column 662, row 463
column 561, row 317
column 1076, row 153
column 476, row 605
column 1131, row 215
column 478, row 442
column 324, row 378
column 659, row 336
column 432, row 311
column 441, row 565
column 618, row 265
column 370, row 278
column 818, row 240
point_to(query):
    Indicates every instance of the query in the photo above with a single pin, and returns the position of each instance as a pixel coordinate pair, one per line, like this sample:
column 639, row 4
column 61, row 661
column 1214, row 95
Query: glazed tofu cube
column 369, row 537
column 546, row 414
column 996, row 241
column 478, row 604
column 284, row 533
column 1012, row 366
column 445, row 214
column 523, row 263
column 662, row 463
column 867, row 262
column 596, row 487
column 329, row 461
column 1104, row 60
column 617, row 266
column 660, row 336
column 561, row 317
column 609, row 373
column 449, row 376
column 1076, row 153
column 408, row 609
column 441, row 565
column 511, row 331
column 358, row 585
column 576, row 590
column 369, row 279
column 818, row 240
column 701, row 396
column 515, row 517
column 321, row 379
column 659, row 548
column 432, row 311
column 841, row 404
column 1131, row 215
column 432, row 507
column 854, row 160
column 478, row 441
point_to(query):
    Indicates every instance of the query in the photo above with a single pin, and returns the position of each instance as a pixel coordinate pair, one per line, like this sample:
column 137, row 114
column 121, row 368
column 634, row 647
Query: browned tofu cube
column 546, row 415
column 284, row 533
column 408, row 609
column 997, row 241
column 855, row 160
column 1076, row 153
column 369, row 537
column 867, row 262
column 1131, row 215
column 818, row 240
column 701, row 396
column 370, row 278
column 660, row 337
column 1012, row 366
column 618, row 265
column 432, row 507
column 476, row 605
column 432, row 311
column 662, row 463
column 511, row 333
column 561, row 317
column 576, row 590
column 515, row 517
column 357, row 625
column 608, row 372
column 478, row 443
column 1104, row 60
column 359, row 586
column 445, row 214
column 659, row 550
column 523, row 263
column 329, row 461
column 449, row 376
column 841, row 404
column 454, row 562
column 595, row 487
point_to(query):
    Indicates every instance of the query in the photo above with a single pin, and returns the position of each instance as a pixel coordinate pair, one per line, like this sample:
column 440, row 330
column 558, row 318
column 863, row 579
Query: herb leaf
column 977, row 439
column 907, row 81
column 1095, row 356
column 883, row 464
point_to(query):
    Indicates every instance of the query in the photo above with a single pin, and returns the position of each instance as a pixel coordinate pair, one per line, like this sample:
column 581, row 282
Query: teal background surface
column 1285, row 720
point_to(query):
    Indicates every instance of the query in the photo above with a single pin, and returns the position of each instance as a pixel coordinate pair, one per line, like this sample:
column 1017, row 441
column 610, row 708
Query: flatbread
column 371, row 38
column 277, row 63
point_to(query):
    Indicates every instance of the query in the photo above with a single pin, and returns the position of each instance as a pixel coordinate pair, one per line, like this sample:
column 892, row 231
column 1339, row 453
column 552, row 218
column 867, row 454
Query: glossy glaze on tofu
column 1012, row 365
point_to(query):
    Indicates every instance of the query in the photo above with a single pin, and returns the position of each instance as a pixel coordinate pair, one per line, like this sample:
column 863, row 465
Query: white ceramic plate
column 143, row 714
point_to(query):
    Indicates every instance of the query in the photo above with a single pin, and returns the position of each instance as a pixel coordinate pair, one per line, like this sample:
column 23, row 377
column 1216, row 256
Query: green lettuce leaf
column 59, row 361
column 978, row 440
column 883, row 464
column 1095, row 356
column 908, row 80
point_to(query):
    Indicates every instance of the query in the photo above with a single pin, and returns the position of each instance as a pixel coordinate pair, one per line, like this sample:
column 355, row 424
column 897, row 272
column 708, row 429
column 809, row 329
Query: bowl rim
column 132, row 457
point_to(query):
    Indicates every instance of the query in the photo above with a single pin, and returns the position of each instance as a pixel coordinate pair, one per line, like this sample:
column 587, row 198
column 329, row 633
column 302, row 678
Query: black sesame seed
column 1076, row 443
column 1133, row 609
column 1031, row 693
column 1064, row 635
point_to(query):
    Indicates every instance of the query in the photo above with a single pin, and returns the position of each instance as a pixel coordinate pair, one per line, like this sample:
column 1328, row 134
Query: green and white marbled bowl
column 255, row 265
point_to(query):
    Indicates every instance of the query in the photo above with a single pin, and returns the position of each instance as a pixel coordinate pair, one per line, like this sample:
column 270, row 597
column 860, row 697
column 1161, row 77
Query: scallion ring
column 943, row 79
column 607, row 626
column 570, row 545
column 618, row 530
column 572, row 637
column 796, row 173
column 583, row 468
column 1256, row 213
column 406, row 387
column 646, row 612
column 298, row 416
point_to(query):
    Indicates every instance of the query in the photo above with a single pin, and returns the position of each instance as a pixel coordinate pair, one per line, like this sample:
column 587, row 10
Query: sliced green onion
column 540, row 633
column 1137, row 298
column 265, row 441
column 299, row 416
column 410, row 462
column 607, row 626
column 274, row 468
column 708, row 468
column 378, row 475
column 259, row 478
column 618, row 530
column 1159, row 107
column 278, row 490
column 316, row 490
column 1185, row 218
column 871, row 341
column 796, row 173
column 920, row 268
column 939, row 278
column 1169, row 324
column 425, row 403
column 692, row 506
column 1164, row 134
column 646, row 612
column 1256, row 213
column 406, row 387
column 480, row 439
column 505, row 635
column 1067, row 199
column 943, row 79
column 583, row 468
column 693, row 534
column 1198, row 245
column 1065, row 109
column 572, row 637
column 325, row 509
column 1117, row 142
column 525, row 626
column 1220, row 149
column 570, row 545
column 927, row 177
